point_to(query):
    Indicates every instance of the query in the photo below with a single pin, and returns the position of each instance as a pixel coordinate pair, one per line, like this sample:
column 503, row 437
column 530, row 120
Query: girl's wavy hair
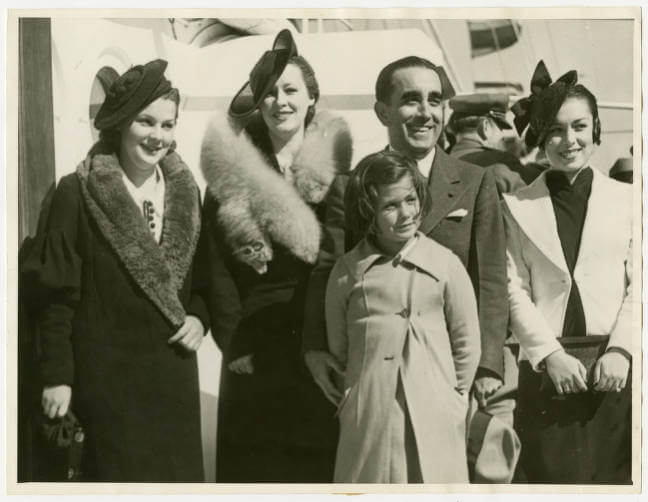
column 111, row 137
column 375, row 170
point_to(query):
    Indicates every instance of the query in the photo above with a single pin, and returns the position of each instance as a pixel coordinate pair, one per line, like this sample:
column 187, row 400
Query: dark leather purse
column 60, row 448
column 587, row 349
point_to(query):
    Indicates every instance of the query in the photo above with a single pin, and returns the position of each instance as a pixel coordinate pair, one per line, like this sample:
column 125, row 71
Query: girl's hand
column 611, row 372
column 190, row 334
column 484, row 387
column 322, row 366
column 566, row 372
column 56, row 400
column 242, row 365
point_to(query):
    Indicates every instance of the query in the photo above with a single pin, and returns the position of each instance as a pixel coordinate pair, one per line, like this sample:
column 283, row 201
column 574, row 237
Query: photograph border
column 11, row 171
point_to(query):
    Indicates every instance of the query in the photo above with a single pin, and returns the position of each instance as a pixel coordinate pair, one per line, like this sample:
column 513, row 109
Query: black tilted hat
column 539, row 109
column 264, row 75
column 138, row 87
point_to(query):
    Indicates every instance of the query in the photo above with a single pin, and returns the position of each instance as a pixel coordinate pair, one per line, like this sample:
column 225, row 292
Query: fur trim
column 256, row 207
column 159, row 270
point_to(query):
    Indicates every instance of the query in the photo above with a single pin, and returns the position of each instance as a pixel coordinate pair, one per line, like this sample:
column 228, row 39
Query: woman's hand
column 566, row 372
column 56, row 400
column 242, row 365
column 190, row 335
column 611, row 372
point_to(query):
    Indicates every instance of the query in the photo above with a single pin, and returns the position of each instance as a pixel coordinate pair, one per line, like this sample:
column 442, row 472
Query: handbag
column 587, row 349
column 60, row 448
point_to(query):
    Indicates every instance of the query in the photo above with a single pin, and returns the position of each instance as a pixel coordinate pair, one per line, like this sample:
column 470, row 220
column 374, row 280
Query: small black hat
column 539, row 109
column 131, row 92
column 490, row 105
column 622, row 170
column 264, row 75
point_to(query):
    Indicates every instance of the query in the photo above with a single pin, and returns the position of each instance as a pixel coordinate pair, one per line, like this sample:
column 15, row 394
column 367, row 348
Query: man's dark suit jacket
column 464, row 217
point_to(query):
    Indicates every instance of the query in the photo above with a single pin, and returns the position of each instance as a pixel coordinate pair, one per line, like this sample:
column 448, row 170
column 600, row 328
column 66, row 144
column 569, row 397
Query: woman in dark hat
column 275, row 179
column 120, row 315
column 570, row 294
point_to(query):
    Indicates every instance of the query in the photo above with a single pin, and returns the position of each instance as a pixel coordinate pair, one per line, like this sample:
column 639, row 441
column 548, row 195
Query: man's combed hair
column 375, row 170
column 384, row 82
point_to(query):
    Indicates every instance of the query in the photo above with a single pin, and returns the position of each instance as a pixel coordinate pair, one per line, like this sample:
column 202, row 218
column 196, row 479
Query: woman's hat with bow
column 539, row 109
column 132, row 92
column 264, row 75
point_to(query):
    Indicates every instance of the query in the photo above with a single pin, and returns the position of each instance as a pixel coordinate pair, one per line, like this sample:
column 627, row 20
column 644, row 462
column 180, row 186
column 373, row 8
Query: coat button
column 403, row 313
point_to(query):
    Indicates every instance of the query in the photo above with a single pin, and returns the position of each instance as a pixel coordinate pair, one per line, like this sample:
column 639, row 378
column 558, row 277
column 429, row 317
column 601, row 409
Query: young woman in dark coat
column 275, row 174
column 120, row 316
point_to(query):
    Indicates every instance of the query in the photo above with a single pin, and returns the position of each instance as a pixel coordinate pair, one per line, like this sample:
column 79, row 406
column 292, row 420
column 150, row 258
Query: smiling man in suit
column 465, row 217
column 465, row 214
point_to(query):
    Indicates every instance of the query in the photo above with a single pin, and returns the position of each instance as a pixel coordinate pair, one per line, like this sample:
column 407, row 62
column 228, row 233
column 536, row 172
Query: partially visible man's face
column 414, row 115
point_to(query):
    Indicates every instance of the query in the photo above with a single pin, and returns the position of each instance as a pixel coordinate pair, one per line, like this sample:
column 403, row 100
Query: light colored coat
column 416, row 317
column 538, row 278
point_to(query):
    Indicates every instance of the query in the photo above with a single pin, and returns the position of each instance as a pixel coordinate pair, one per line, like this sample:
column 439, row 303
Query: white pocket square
column 457, row 213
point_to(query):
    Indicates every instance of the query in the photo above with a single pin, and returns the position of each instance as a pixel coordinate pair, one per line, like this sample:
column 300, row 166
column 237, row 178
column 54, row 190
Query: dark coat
column 264, row 236
column 507, row 168
column 110, row 297
column 464, row 217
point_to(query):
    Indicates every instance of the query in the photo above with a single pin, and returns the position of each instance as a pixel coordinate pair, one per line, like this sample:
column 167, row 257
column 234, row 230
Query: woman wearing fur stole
column 276, row 172
column 120, row 316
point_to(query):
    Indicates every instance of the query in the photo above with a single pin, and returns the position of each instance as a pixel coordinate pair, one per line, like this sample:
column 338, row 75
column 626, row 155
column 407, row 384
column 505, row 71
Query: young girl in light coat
column 402, row 319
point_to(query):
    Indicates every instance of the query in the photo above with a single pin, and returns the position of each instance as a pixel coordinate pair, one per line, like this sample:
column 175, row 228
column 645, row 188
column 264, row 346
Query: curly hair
column 375, row 170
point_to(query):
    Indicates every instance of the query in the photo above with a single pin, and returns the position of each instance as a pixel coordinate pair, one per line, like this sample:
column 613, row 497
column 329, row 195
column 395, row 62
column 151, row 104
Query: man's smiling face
column 414, row 115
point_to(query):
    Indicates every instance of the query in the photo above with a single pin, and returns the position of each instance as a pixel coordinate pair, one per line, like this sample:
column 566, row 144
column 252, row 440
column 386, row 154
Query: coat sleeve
column 223, row 299
column 621, row 335
column 488, row 264
column 460, row 308
column 53, row 272
column 507, row 180
column 336, row 311
column 528, row 324
column 332, row 247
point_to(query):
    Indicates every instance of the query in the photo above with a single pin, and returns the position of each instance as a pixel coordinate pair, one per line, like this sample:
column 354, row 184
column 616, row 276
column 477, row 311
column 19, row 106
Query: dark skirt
column 275, row 425
column 583, row 438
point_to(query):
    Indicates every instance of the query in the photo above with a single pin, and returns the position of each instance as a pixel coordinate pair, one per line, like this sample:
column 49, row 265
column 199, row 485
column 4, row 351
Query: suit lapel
column 532, row 209
column 598, row 219
column 445, row 188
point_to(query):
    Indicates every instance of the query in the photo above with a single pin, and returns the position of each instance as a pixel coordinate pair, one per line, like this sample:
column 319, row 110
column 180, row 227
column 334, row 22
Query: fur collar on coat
column 159, row 270
column 256, row 207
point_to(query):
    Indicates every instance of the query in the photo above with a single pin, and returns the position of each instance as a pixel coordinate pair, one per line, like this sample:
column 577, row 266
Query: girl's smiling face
column 146, row 140
column 397, row 213
column 569, row 143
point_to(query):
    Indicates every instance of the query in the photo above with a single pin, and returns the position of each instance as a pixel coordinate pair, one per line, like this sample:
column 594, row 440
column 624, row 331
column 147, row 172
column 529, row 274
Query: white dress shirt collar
column 151, row 190
column 425, row 164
